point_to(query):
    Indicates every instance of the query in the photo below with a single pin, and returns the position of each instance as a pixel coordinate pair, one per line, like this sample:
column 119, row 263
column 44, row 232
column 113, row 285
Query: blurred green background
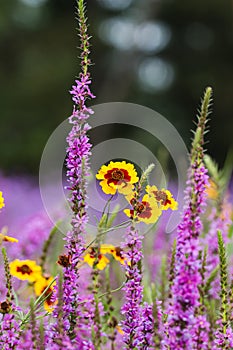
column 160, row 54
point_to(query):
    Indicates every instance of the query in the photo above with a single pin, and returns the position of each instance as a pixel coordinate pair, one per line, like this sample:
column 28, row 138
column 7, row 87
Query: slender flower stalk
column 184, row 328
column 9, row 295
column 135, row 336
column 112, row 321
column 46, row 247
column 78, row 154
column 131, row 310
column 33, row 326
column 224, row 333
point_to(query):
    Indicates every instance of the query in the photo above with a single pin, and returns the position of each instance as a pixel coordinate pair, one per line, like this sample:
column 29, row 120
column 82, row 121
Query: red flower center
column 162, row 196
column 116, row 176
column 140, row 207
column 143, row 210
column 118, row 251
column 94, row 253
column 24, row 269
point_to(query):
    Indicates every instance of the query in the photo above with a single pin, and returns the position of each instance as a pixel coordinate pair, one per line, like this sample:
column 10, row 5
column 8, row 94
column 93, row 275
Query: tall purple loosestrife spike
column 131, row 309
column 136, row 332
column 185, row 328
column 78, row 154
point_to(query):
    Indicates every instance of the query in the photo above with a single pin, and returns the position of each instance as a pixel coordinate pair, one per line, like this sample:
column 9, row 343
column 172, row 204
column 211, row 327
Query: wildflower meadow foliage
column 168, row 291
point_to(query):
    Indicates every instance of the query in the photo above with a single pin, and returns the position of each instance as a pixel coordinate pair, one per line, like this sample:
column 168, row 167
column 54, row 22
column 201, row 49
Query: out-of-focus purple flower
column 9, row 332
column 217, row 222
column 22, row 200
column 183, row 325
column 133, row 289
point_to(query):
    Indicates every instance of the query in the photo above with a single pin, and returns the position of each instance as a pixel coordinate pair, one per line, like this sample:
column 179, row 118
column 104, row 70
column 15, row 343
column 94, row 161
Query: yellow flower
column 8, row 239
column 146, row 211
column 2, row 204
column 212, row 190
column 90, row 258
column 103, row 261
column 39, row 287
column 117, row 176
column 164, row 197
column 119, row 330
column 116, row 252
column 5, row 238
column 25, row 270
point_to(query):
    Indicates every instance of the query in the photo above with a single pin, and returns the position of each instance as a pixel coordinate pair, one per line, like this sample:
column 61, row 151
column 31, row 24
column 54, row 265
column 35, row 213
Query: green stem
column 9, row 295
column 224, row 285
column 47, row 244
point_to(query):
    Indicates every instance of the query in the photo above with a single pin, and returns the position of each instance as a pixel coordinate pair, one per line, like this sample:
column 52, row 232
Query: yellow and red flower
column 91, row 257
column 8, row 239
column 25, row 270
column 40, row 286
column 116, row 252
column 5, row 238
column 103, row 261
column 117, row 176
column 146, row 210
column 163, row 197
column 2, row 204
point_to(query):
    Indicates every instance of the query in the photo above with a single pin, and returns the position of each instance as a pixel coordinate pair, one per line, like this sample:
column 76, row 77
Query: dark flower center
column 118, row 175
column 64, row 260
column 24, row 269
column 5, row 307
column 143, row 209
column 140, row 208
column 118, row 251
column 162, row 196
column 94, row 253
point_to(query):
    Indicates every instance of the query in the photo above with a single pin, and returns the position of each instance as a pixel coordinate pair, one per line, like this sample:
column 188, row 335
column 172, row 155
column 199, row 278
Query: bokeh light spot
column 118, row 32
column 33, row 3
column 155, row 74
column 116, row 4
column 152, row 36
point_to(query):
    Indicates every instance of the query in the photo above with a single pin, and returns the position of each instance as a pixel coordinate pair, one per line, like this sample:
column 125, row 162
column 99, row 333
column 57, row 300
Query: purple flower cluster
column 217, row 221
column 183, row 325
column 9, row 337
column 147, row 326
column 78, row 154
column 222, row 340
column 133, row 289
column 80, row 92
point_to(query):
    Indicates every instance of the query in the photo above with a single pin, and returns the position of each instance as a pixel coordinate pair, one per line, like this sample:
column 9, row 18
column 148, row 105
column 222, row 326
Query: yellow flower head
column 4, row 238
column 25, row 270
column 163, row 197
column 103, row 261
column 40, row 286
column 117, row 176
column 90, row 258
column 116, row 252
column 146, row 211
column 2, row 204
column 8, row 239
column 212, row 190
